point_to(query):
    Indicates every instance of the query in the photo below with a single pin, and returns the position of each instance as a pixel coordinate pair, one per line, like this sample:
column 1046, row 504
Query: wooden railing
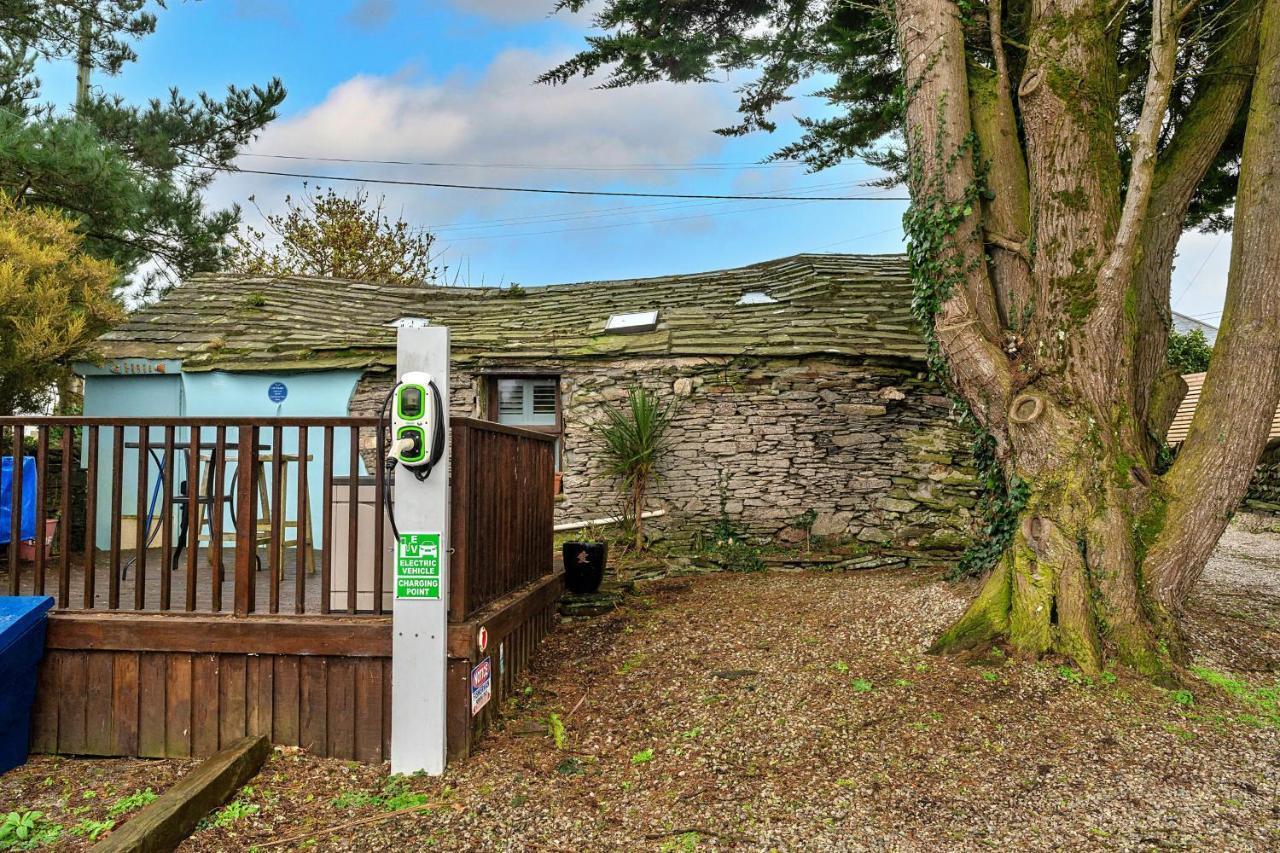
column 503, row 507
column 260, row 526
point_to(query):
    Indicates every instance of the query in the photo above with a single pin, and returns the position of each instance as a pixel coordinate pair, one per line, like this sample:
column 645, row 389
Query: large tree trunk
column 1050, row 301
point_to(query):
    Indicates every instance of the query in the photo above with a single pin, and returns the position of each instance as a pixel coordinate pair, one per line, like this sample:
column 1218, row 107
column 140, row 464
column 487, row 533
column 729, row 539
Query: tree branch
column 1117, row 271
column 1242, row 388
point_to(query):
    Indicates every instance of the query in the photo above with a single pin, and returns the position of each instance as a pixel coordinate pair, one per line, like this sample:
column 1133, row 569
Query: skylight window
column 755, row 297
column 637, row 321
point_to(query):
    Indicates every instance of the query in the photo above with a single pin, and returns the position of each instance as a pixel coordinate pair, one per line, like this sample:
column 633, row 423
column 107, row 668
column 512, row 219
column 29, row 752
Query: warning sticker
column 418, row 566
column 481, row 685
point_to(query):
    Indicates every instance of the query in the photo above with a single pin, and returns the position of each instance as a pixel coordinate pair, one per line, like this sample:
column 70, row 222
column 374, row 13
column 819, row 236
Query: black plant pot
column 584, row 565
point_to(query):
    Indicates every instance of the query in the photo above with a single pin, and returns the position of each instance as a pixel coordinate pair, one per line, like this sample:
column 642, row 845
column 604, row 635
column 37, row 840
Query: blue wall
column 216, row 394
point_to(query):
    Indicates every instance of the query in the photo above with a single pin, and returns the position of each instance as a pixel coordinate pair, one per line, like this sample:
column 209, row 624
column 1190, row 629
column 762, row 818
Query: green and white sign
column 418, row 566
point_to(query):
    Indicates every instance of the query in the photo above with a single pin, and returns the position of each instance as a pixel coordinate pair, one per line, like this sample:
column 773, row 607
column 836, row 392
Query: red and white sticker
column 482, row 638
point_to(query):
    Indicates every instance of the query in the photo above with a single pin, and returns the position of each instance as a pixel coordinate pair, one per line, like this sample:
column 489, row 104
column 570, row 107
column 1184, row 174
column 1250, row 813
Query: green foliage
column 132, row 175
column 232, row 812
column 861, row 685
column 840, row 667
column 1263, row 701
column 136, row 800
column 54, row 301
column 394, row 795
column 1183, row 697
column 634, row 444
column 1002, row 502
column 1189, row 352
column 685, row 842
column 644, row 756
column 325, row 234
column 1070, row 675
column 27, row 830
column 91, row 829
column 555, row 728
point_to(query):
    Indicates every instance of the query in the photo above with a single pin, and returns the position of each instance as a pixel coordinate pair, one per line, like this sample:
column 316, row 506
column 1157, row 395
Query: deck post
column 419, row 656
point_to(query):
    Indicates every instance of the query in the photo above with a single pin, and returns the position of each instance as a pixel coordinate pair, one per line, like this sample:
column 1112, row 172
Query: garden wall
column 870, row 448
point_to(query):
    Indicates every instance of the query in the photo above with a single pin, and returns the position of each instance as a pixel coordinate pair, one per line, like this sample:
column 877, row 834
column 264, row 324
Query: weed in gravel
column 1184, row 735
column 861, row 685
column 233, row 811
column 555, row 729
column 990, row 676
column 691, row 733
column 570, row 767
column 901, row 682
column 644, row 756
column 685, row 841
column 1263, row 701
column 136, row 800
column 1070, row 675
column 1107, row 677
column 631, row 663
column 27, row 830
column 840, row 667
column 395, row 795
column 1183, row 697
column 91, row 829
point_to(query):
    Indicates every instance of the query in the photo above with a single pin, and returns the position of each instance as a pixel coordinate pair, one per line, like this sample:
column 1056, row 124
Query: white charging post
column 420, row 623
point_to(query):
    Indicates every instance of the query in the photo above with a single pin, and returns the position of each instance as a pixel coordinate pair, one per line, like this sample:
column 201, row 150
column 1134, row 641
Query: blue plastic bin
column 22, row 624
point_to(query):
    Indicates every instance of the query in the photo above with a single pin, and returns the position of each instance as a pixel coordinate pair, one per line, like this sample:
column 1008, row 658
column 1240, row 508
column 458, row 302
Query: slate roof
column 853, row 305
column 1186, row 411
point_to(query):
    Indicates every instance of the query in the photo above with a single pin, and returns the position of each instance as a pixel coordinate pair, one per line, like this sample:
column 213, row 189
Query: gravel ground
column 799, row 711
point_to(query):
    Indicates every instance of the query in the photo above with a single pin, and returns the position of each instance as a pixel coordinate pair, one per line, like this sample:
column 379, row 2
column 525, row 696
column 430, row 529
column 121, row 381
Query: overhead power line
column 550, row 167
column 549, row 190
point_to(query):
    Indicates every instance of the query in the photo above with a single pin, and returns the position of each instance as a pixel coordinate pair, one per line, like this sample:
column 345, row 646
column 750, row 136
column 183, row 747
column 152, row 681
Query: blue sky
column 451, row 81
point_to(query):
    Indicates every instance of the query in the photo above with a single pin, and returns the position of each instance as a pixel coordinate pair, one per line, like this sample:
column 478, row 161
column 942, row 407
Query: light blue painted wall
column 219, row 394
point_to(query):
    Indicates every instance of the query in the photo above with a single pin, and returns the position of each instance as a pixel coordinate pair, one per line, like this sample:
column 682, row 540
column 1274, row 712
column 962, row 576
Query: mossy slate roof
column 850, row 305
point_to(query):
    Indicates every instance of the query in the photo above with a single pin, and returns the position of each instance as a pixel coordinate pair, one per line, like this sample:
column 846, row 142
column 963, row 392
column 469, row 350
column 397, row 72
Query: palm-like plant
column 635, row 440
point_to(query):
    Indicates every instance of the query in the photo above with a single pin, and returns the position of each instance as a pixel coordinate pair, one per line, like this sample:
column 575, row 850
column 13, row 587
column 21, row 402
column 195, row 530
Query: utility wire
column 547, row 190
column 551, row 167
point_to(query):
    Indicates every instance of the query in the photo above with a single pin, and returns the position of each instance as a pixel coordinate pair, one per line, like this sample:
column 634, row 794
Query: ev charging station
column 419, row 453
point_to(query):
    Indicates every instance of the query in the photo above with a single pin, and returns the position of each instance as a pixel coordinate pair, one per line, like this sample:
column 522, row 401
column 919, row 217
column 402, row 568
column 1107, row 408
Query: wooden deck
column 153, row 588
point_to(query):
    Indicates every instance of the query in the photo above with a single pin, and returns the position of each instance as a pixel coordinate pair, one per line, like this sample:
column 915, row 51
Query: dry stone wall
column 872, row 449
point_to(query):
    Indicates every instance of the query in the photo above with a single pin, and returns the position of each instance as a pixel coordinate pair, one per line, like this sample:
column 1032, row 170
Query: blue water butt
column 22, row 624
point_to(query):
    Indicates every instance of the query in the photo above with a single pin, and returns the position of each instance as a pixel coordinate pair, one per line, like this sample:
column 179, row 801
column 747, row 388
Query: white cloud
column 509, row 11
column 496, row 117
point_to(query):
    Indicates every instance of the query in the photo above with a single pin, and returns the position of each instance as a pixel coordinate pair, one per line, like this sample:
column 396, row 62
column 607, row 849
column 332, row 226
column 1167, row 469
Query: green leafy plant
column 861, row 685
column 233, row 811
column 555, row 728
column 1070, row 675
column 27, row 830
column 1184, row 697
column 804, row 523
column 91, row 829
column 1263, row 701
column 840, row 667
column 133, row 801
column 1189, row 352
column 635, row 442
column 644, row 756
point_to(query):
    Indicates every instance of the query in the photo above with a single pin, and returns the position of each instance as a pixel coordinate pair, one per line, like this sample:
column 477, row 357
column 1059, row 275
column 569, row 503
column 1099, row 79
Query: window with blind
column 527, row 402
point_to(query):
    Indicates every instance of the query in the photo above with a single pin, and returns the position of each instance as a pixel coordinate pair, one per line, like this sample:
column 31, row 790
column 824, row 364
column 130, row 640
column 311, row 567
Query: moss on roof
column 853, row 305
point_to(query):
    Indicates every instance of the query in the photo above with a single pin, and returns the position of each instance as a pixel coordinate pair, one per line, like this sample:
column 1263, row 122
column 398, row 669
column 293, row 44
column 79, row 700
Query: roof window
column 636, row 321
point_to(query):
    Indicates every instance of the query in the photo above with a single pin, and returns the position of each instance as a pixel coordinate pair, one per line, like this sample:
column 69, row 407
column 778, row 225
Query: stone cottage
column 800, row 382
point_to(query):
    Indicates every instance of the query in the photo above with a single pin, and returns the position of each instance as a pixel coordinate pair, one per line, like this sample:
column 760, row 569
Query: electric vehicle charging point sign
column 418, row 566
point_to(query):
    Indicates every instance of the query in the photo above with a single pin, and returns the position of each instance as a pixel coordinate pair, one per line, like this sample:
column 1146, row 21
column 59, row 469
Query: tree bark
column 1242, row 388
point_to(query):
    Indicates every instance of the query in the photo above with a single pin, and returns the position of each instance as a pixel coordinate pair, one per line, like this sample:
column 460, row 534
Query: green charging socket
column 418, row 453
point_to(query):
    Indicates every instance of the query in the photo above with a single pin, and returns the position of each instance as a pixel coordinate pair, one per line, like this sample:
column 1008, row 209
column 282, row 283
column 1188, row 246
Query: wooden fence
column 263, row 608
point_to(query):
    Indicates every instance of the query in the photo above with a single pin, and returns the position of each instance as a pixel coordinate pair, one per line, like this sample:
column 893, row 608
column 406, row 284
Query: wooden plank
column 232, row 711
column 42, row 488
column 166, row 521
column 71, row 702
column 153, row 678
column 193, row 515
column 246, row 521
column 342, row 708
column 15, row 511
column 205, row 675
column 503, row 615
column 164, row 823
column 368, row 709
column 64, row 522
column 260, row 694
column 141, row 528
column 386, row 707
column 44, row 712
column 361, row 636
column 99, row 682
column 303, row 531
column 91, row 518
column 326, row 523
column 277, row 515
column 117, row 510
column 125, row 703
column 178, row 699
column 216, row 510
column 458, row 710
column 284, row 719
column 313, row 715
